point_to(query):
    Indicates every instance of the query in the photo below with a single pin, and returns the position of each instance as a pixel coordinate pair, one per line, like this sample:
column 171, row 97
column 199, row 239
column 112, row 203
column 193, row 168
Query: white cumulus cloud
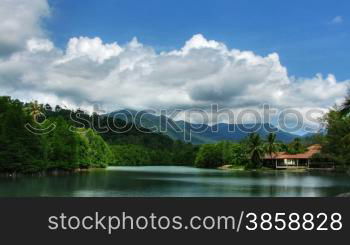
column 93, row 48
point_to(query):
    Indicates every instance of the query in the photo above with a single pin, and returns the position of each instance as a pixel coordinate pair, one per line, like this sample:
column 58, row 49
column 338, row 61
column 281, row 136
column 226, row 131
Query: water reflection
column 178, row 181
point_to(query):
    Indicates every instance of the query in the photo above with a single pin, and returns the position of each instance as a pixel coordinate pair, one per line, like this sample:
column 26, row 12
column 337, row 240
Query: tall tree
column 35, row 109
column 256, row 150
column 271, row 146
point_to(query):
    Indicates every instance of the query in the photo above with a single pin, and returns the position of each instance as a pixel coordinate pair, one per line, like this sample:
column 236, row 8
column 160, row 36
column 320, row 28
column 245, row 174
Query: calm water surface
column 158, row 181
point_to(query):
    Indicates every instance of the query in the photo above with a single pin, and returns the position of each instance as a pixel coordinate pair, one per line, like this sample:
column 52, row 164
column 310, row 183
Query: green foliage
column 130, row 155
column 223, row 153
column 137, row 155
column 62, row 147
column 93, row 150
column 256, row 150
column 239, row 154
column 161, row 149
column 271, row 146
column 319, row 138
column 27, row 152
column 20, row 150
column 183, row 153
column 296, row 147
column 79, row 141
column 209, row 156
column 68, row 149
column 227, row 153
column 337, row 145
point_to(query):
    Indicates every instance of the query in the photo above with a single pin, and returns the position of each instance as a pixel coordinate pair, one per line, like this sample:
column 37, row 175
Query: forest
column 78, row 141
column 81, row 141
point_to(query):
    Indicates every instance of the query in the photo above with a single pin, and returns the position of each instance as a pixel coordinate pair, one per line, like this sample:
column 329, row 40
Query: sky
column 166, row 54
column 310, row 36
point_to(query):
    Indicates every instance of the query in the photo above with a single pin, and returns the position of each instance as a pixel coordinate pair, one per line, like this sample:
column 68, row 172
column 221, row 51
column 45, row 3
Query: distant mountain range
column 199, row 133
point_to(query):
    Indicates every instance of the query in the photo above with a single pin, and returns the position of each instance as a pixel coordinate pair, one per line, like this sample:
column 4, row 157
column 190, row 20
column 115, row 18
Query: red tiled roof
column 312, row 150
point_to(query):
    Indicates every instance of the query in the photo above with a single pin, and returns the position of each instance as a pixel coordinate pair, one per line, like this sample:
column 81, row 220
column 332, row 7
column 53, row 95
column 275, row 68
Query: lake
column 157, row 181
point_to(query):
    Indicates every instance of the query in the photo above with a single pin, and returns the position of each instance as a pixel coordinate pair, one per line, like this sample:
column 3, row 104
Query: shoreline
column 54, row 172
column 292, row 170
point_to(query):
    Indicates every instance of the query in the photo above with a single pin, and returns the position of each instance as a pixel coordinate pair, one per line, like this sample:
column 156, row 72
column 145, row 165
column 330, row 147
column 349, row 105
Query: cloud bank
column 19, row 21
column 134, row 75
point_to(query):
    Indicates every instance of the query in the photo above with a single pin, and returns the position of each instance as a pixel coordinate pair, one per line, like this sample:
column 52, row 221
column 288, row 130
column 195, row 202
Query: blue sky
column 307, row 35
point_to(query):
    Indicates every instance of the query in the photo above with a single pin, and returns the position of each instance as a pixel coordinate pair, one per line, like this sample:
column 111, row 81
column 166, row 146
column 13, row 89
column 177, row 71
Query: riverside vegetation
column 80, row 144
column 76, row 144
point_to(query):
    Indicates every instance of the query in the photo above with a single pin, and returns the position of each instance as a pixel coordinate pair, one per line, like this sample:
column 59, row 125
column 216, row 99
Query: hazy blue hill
column 309, row 135
column 197, row 130
column 237, row 132
column 175, row 130
column 200, row 133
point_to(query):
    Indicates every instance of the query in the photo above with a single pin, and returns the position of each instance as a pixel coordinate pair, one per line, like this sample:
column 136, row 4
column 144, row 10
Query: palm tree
column 256, row 149
column 35, row 109
column 271, row 146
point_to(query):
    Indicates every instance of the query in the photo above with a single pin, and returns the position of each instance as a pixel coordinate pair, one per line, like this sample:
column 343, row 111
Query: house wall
column 289, row 162
column 285, row 162
column 293, row 162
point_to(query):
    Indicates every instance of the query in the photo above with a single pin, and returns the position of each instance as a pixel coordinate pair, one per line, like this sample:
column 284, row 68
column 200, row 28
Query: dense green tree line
column 27, row 150
column 136, row 155
column 248, row 153
column 78, row 140
column 223, row 153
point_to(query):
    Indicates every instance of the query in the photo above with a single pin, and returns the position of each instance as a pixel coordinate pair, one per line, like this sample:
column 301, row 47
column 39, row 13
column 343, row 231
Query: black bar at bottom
column 26, row 220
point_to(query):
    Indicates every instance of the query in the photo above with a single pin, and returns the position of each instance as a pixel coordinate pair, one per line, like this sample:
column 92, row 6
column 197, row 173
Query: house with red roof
column 284, row 160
